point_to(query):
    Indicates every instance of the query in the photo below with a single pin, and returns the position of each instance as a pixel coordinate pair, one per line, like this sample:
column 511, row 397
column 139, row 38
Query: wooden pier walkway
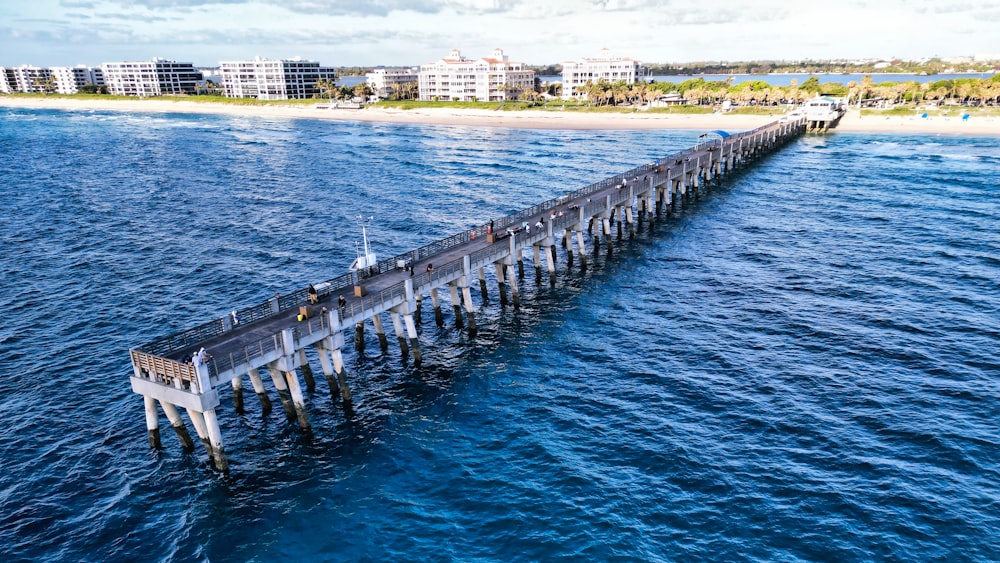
column 274, row 335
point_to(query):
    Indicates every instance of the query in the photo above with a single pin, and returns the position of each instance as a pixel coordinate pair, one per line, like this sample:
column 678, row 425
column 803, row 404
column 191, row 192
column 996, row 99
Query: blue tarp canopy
column 722, row 134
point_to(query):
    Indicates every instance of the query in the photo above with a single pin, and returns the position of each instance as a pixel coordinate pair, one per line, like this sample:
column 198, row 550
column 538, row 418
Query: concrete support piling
column 359, row 336
column 238, row 394
column 307, row 372
column 469, row 317
column 338, row 365
column 152, row 422
column 397, row 326
column 482, row 284
column 456, row 305
column 187, row 444
column 298, row 400
column 501, row 283
column 198, row 421
column 282, row 386
column 328, row 373
column 217, row 452
column 513, row 288
column 411, row 330
column 438, row 317
column 383, row 343
column 258, row 387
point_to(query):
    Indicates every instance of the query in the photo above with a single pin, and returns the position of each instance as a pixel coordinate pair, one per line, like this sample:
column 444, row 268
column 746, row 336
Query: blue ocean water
column 801, row 366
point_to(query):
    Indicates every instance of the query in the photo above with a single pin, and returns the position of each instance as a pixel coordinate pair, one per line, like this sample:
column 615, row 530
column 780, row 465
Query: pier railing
column 155, row 353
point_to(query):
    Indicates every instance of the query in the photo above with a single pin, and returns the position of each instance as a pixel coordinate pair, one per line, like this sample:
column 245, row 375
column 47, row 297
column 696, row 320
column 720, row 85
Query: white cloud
column 340, row 32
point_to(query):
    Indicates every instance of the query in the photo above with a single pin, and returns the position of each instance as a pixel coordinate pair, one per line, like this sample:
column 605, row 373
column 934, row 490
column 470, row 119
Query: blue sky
column 411, row 32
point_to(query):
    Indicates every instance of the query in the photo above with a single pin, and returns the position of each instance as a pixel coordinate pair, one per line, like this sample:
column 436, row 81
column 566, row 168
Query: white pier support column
column 297, row 399
column 187, row 444
column 456, row 304
column 198, row 421
column 282, row 386
column 323, row 348
column 514, row 251
column 218, row 452
column 286, row 365
column 482, row 283
column 463, row 283
column 237, row 384
column 307, row 372
column 258, row 387
column 581, row 247
column 438, row 317
column 152, row 422
column 383, row 343
column 411, row 327
column 397, row 326
column 329, row 349
column 501, row 283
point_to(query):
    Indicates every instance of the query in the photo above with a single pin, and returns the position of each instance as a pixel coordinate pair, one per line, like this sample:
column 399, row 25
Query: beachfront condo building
column 59, row 79
column 605, row 67
column 69, row 79
column 457, row 78
column 386, row 81
column 272, row 79
column 6, row 79
column 157, row 77
column 27, row 79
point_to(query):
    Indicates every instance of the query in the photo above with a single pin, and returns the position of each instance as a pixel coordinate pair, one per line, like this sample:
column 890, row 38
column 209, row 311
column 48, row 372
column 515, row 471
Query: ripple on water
column 801, row 366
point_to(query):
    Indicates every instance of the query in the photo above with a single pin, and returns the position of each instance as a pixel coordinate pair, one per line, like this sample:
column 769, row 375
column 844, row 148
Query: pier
column 266, row 343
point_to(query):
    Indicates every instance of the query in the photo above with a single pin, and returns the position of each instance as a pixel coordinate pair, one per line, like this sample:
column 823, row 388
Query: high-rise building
column 269, row 79
column 605, row 67
column 157, row 77
column 457, row 78
column 69, row 80
column 29, row 79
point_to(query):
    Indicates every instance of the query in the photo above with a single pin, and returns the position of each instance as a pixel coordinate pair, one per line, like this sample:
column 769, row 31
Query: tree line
column 698, row 91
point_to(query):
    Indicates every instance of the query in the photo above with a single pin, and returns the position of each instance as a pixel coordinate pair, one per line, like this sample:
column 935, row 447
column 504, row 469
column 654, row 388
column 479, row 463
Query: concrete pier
column 275, row 334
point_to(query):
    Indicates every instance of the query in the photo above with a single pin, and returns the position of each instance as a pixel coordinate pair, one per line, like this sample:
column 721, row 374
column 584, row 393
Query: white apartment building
column 6, row 79
column 157, row 77
column 270, row 79
column 604, row 67
column 385, row 81
column 70, row 79
column 26, row 78
column 456, row 78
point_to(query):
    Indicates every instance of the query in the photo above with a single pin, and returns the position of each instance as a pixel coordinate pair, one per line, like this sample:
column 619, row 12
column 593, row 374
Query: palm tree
column 361, row 90
column 866, row 86
column 327, row 87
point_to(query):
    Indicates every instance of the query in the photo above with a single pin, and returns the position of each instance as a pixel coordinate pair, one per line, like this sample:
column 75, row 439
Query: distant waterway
column 772, row 79
column 786, row 79
column 802, row 366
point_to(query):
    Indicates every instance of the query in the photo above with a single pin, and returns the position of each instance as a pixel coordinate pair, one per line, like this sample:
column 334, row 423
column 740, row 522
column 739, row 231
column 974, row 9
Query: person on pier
column 313, row 296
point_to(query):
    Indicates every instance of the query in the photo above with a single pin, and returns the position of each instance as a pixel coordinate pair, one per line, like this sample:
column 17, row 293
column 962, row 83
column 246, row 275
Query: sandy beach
column 852, row 122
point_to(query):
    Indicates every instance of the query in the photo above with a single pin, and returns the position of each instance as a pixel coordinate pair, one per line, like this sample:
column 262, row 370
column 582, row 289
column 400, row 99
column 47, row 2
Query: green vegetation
column 694, row 95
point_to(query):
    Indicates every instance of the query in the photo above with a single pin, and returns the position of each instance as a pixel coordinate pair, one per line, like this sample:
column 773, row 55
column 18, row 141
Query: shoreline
column 524, row 119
